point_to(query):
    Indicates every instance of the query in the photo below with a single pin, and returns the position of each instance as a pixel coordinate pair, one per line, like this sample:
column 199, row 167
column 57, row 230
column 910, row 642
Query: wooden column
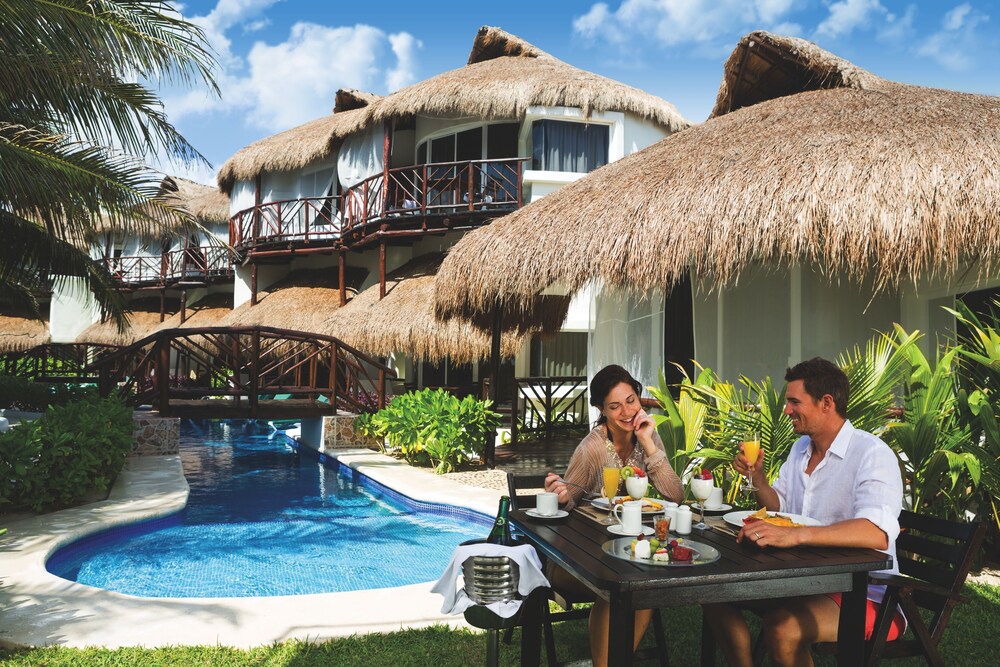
column 386, row 158
column 163, row 304
column 254, row 379
column 162, row 379
column 342, row 270
column 491, row 438
column 253, row 284
column 184, row 301
column 381, row 268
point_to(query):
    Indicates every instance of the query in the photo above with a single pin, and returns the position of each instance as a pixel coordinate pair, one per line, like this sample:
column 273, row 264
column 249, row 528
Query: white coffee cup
column 631, row 516
column 714, row 501
column 547, row 504
column 683, row 524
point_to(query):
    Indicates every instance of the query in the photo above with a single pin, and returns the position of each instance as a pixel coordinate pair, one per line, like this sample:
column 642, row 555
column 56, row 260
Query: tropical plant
column 70, row 91
column 67, row 452
column 432, row 427
column 932, row 441
column 681, row 426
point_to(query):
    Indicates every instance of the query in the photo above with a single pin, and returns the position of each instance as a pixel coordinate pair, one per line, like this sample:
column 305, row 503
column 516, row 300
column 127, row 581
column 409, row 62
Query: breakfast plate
column 736, row 518
column 649, row 505
column 721, row 508
column 535, row 514
column 622, row 548
column 618, row 529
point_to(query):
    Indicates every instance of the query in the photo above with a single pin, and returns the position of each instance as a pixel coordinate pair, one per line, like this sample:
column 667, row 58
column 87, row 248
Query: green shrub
column 431, row 427
column 24, row 394
column 66, row 453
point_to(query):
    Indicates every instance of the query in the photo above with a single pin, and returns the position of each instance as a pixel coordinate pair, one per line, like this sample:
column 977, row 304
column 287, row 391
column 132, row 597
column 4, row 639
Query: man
column 849, row 481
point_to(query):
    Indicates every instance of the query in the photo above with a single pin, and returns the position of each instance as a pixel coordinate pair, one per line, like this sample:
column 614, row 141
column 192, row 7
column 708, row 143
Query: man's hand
column 764, row 534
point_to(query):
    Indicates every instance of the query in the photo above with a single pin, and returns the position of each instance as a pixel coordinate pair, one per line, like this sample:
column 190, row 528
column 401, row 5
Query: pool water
column 265, row 519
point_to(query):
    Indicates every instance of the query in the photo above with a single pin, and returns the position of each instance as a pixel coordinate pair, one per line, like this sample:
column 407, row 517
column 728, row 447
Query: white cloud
column 256, row 26
column 675, row 22
column 278, row 86
column 850, row 15
column 405, row 47
column 791, row 29
column 955, row 45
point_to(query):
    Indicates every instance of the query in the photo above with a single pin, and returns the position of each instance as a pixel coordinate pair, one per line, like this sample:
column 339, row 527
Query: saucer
column 721, row 508
column 533, row 513
column 617, row 530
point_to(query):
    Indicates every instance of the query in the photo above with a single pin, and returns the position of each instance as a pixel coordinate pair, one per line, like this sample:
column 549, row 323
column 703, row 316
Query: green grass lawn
column 969, row 641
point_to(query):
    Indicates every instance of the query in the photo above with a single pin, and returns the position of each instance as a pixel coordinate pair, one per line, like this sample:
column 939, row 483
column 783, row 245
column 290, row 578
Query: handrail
column 52, row 361
column 285, row 220
column 245, row 363
column 396, row 197
column 171, row 266
column 545, row 405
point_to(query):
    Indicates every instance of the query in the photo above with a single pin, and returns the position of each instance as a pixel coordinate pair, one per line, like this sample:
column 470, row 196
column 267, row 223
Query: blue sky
column 283, row 60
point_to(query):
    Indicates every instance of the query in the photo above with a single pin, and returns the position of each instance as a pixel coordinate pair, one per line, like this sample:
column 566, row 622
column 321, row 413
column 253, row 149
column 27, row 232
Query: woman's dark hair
column 607, row 379
column 821, row 377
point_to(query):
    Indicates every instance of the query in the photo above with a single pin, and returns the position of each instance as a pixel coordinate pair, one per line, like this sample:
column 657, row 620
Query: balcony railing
column 195, row 263
column 401, row 199
column 287, row 221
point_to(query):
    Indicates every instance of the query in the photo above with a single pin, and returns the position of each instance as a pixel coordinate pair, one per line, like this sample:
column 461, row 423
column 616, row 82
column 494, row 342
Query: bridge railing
column 245, row 366
column 54, row 362
column 545, row 406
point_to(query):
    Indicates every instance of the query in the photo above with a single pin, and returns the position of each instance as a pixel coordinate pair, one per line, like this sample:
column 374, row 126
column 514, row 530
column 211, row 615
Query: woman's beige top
column 596, row 451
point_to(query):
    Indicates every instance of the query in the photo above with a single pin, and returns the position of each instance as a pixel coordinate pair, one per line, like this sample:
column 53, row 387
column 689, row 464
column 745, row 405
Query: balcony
column 191, row 265
column 404, row 201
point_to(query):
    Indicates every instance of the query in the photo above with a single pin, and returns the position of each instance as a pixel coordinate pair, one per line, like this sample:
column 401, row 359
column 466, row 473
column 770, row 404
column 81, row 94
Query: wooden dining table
column 743, row 572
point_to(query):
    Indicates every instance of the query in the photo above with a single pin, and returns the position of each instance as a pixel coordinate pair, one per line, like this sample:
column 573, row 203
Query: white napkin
column 455, row 599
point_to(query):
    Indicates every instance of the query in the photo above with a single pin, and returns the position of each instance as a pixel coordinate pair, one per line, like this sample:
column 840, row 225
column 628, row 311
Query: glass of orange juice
column 612, row 479
column 751, row 451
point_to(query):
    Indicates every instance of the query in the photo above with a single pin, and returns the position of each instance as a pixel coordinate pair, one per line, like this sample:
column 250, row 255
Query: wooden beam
column 491, row 438
column 342, row 271
column 381, row 269
column 253, row 285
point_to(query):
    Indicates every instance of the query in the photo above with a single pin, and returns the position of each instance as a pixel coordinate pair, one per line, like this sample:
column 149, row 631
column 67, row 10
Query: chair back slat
column 516, row 483
column 946, row 552
column 930, row 525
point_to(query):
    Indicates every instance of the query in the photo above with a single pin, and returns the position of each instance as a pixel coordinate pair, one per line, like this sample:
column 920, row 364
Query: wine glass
column 612, row 479
column 751, row 450
column 701, row 489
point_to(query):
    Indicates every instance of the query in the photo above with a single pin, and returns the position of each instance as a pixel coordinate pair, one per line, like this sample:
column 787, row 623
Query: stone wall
column 338, row 433
column 154, row 435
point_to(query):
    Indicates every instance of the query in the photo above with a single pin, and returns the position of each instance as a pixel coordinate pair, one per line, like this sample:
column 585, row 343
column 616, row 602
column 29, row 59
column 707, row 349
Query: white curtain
column 628, row 331
column 360, row 157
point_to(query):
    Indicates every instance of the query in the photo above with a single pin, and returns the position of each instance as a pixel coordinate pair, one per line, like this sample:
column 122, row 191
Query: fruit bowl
column 637, row 486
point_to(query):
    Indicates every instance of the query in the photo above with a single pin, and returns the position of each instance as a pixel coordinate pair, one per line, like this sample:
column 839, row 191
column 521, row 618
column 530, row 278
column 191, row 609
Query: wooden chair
column 934, row 556
column 570, row 600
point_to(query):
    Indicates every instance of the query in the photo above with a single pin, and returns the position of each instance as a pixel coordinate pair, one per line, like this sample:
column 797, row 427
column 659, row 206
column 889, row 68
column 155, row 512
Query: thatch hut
column 300, row 146
column 144, row 319
column 208, row 311
column 21, row 333
column 304, row 300
column 403, row 321
column 506, row 75
column 809, row 164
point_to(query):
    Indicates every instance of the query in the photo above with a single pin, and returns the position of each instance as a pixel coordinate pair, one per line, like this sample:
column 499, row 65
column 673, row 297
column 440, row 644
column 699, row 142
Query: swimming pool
column 265, row 518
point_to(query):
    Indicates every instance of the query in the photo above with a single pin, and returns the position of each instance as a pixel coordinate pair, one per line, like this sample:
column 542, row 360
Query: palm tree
column 77, row 123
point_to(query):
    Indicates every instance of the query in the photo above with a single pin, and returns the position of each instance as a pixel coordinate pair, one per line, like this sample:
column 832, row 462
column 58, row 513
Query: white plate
column 617, row 530
column 736, row 518
column 602, row 503
column 720, row 508
column 534, row 514
column 703, row 553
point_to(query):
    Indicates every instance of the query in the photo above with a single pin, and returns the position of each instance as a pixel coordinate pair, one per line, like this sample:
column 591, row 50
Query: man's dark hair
column 821, row 377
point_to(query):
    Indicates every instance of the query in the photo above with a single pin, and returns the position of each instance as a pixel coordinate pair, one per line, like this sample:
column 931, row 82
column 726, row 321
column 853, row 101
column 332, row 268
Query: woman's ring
column 757, row 535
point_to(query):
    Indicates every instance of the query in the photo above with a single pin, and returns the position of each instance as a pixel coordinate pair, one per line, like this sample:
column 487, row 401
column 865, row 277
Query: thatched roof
column 505, row 75
column 404, row 320
column 299, row 146
column 19, row 334
column 144, row 319
column 891, row 180
column 206, row 204
column 208, row 311
column 764, row 66
column 304, row 300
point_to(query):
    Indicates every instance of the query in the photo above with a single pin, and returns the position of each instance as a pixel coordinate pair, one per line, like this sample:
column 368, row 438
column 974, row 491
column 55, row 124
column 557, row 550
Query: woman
column 624, row 435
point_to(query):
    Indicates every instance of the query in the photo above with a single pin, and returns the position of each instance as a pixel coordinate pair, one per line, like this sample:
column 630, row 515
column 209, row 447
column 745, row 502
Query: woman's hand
column 554, row 484
column 644, row 428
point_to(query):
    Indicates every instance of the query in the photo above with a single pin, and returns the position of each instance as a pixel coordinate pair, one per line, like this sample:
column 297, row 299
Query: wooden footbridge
column 249, row 372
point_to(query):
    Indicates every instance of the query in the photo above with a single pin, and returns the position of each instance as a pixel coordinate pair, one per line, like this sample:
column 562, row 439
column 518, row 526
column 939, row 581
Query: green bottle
column 500, row 534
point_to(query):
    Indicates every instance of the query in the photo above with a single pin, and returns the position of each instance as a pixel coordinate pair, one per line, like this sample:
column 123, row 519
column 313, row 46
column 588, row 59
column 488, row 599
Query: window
column 562, row 146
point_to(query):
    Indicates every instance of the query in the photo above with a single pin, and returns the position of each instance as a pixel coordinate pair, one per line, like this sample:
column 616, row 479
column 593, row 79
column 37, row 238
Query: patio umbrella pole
column 491, row 438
